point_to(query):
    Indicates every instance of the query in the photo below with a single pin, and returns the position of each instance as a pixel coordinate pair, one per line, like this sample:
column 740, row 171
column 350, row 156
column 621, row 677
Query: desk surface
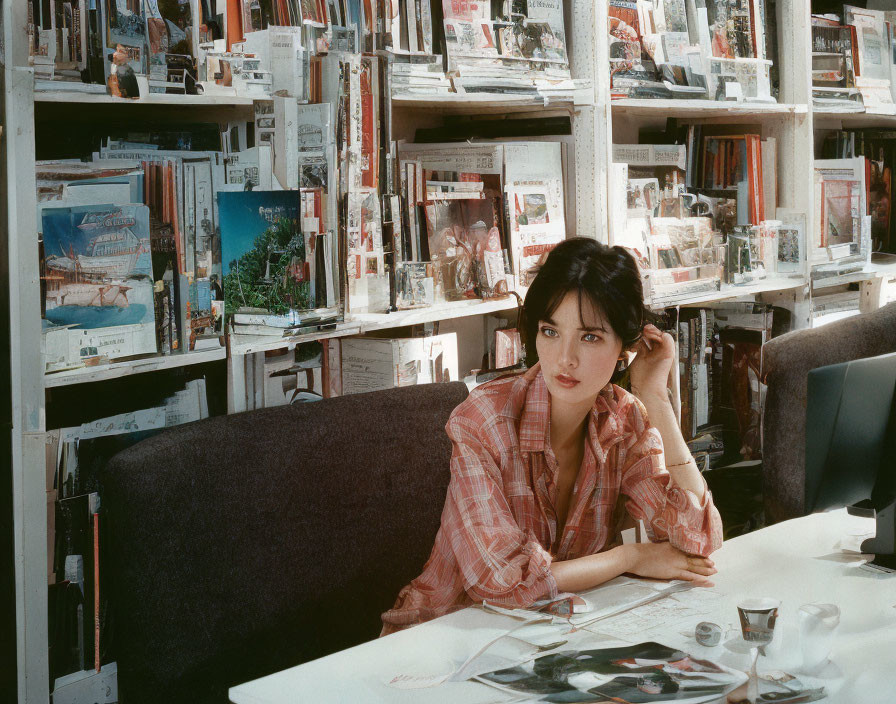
column 795, row 561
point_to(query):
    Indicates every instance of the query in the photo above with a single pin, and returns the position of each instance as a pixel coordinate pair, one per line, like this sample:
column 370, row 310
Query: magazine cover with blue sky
column 97, row 266
column 263, row 252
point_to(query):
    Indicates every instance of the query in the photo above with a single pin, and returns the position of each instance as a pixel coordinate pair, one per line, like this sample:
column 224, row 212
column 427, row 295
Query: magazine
column 534, row 195
column 268, row 262
column 98, row 273
column 507, row 41
column 634, row 674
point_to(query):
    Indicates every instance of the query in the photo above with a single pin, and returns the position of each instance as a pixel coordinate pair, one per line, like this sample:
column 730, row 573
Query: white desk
column 794, row 561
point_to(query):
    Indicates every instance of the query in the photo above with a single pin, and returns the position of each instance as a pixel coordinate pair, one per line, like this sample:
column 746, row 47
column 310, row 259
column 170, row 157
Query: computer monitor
column 851, row 445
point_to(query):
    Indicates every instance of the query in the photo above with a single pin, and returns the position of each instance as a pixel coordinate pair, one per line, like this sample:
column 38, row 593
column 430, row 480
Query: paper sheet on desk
column 609, row 599
column 623, row 594
column 679, row 613
column 511, row 654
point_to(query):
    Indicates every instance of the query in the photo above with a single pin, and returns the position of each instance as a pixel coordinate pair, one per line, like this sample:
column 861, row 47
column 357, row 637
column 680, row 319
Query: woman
column 546, row 466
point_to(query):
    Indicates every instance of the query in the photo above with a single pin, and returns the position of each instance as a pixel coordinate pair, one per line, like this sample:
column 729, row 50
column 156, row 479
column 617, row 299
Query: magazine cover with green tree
column 268, row 262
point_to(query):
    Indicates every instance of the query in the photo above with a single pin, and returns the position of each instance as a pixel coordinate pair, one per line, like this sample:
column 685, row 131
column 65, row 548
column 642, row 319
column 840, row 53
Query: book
column 841, row 206
column 873, row 48
column 731, row 29
column 508, row 348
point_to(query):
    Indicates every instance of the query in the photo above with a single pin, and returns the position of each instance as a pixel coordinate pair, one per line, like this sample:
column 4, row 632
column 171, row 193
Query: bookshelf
column 115, row 370
column 596, row 123
column 480, row 104
column 370, row 322
column 73, row 98
column 701, row 108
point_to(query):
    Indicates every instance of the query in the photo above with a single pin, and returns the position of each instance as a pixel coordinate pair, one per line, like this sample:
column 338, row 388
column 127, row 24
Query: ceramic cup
column 757, row 620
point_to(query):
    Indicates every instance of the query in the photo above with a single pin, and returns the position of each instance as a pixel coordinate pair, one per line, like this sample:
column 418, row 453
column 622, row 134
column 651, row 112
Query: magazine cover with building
column 97, row 270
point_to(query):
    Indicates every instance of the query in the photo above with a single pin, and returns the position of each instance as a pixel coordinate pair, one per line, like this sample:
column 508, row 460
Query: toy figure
column 122, row 81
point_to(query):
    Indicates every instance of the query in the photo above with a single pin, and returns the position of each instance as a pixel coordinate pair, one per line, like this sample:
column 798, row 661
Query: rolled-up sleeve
column 669, row 512
column 498, row 561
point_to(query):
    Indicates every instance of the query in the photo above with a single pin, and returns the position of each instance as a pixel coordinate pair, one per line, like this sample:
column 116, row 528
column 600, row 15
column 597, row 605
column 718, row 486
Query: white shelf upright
column 17, row 185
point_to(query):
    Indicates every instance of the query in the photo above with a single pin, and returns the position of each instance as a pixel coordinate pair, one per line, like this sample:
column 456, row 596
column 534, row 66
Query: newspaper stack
column 418, row 75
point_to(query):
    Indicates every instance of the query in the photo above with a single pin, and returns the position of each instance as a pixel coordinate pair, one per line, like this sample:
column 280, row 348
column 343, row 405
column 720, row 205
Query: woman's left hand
column 655, row 353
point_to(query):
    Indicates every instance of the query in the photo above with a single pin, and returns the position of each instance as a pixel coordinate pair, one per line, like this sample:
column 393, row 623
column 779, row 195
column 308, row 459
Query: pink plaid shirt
column 499, row 527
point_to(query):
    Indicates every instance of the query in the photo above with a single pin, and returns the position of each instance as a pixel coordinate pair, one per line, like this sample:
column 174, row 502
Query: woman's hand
column 655, row 353
column 664, row 561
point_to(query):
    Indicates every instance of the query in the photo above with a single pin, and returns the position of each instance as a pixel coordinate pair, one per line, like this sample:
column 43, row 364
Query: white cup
column 757, row 620
column 142, row 85
column 818, row 625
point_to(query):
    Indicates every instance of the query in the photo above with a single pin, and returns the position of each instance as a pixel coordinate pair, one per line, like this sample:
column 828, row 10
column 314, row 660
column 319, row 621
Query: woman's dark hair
column 607, row 276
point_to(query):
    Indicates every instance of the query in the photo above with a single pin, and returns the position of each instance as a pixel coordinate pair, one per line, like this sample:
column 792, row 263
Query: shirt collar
column 535, row 421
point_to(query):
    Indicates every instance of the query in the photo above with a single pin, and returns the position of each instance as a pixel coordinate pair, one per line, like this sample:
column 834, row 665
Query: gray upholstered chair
column 786, row 362
column 245, row 544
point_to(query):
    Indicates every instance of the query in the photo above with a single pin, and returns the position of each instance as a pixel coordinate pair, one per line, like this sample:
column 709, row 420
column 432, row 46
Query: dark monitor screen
column 849, row 428
column 851, row 444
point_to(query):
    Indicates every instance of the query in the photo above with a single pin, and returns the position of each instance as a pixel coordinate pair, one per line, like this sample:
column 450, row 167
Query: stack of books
column 698, row 210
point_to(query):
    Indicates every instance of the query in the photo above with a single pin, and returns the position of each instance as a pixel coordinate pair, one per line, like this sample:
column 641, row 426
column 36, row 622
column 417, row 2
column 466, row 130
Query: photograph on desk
column 778, row 688
column 636, row 674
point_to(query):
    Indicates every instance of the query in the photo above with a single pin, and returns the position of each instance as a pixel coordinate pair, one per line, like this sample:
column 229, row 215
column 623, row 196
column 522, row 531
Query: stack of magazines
column 519, row 48
column 716, row 50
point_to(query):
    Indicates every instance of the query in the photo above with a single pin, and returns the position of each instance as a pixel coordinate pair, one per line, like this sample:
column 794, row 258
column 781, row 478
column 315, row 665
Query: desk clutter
column 606, row 654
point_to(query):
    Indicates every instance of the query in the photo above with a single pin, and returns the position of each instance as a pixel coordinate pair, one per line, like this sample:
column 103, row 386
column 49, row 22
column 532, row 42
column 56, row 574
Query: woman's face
column 578, row 354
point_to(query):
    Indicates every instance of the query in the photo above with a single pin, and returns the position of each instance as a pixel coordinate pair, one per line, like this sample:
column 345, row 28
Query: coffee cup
column 757, row 620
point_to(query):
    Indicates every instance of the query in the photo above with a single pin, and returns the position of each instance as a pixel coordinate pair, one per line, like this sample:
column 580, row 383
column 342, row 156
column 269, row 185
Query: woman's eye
column 590, row 338
column 549, row 332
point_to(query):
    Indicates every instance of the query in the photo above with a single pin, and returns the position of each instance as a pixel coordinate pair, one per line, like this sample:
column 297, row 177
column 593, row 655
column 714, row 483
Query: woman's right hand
column 664, row 561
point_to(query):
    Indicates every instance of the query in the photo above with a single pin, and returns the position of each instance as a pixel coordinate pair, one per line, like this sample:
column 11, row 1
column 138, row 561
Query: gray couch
column 786, row 362
column 246, row 544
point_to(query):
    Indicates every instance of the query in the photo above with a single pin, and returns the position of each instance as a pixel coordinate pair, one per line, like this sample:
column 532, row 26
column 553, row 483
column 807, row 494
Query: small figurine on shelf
column 122, row 81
